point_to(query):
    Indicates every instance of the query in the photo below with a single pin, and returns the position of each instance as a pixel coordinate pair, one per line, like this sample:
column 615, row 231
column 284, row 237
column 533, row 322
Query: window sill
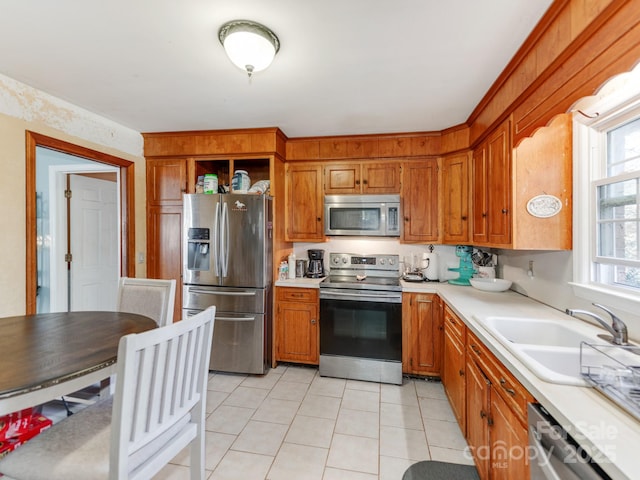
column 627, row 302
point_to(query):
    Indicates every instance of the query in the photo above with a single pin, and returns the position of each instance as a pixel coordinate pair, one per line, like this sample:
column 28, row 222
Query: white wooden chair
column 158, row 409
column 153, row 298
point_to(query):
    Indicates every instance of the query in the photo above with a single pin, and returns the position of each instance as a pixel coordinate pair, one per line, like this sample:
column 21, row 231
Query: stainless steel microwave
column 362, row 215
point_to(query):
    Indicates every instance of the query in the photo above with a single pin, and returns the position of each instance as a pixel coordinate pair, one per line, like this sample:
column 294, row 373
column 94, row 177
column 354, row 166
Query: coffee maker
column 316, row 263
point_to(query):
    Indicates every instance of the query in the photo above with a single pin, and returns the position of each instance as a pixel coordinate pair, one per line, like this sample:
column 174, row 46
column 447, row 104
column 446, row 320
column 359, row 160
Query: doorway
column 79, row 263
column 34, row 204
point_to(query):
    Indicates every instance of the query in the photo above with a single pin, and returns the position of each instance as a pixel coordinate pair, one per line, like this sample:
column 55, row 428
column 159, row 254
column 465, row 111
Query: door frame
column 127, row 206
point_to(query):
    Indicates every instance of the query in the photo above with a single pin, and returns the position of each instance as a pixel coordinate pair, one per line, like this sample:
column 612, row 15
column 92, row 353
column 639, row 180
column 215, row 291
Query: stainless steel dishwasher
column 554, row 454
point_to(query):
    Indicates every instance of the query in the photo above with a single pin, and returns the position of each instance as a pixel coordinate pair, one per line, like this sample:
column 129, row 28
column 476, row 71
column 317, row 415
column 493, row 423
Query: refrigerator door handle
column 236, row 319
column 221, row 293
column 216, row 240
column 224, row 240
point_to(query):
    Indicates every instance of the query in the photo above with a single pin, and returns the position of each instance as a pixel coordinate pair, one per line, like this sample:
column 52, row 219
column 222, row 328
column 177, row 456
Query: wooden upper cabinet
column 420, row 201
column 166, row 181
column 381, row 177
column 499, row 185
column 492, row 214
column 357, row 177
column 341, row 179
column 455, row 193
column 304, row 202
column 479, row 195
column 506, row 180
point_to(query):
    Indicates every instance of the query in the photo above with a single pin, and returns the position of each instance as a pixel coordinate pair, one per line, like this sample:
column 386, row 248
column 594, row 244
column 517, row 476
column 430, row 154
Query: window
column 617, row 258
column 606, row 253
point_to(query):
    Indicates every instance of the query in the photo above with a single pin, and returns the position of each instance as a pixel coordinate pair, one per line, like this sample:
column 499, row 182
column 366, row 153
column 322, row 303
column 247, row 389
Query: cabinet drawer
column 453, row 324
column 505, row 384
column 306, row 295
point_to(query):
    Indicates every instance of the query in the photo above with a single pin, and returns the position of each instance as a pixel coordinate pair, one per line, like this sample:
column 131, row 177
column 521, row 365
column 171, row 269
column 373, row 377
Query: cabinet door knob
column 510, row 391
column 461, row 373
column 319, row 219
column 504, row 210
column 406, row 219
column 357, row 182
column 313, row 321
column 364, row 181
column 484, row 214
column 463, row 217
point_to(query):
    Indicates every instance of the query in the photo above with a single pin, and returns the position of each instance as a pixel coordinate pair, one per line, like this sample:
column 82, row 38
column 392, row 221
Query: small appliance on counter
column 465, row 269
column 301, row 268
column 485, row 264
column 316, row 263
column 430, row 265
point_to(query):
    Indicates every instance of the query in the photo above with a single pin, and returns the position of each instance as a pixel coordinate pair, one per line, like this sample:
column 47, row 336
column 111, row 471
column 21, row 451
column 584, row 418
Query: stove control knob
column 382, row 261
column 336, row 260
column 391, row 261
column 345, row 259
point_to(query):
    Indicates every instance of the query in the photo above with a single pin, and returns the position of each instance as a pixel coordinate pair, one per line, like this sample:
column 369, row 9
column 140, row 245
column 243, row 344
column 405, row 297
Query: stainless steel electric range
column 361, row 318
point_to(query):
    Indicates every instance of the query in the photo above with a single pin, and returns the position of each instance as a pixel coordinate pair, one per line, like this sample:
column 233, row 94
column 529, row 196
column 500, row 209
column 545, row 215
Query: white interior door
column 93, row 229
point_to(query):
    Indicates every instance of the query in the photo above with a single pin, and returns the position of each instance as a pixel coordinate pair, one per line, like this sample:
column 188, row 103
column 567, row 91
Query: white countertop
column 607, row 432
column 300, row 282
column 602, row 428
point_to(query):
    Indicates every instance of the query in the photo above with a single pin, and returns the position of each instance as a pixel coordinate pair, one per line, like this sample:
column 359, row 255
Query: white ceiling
column 344, row 67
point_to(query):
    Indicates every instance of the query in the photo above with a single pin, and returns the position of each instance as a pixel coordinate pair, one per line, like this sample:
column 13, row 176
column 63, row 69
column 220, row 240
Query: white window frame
column 589, row 166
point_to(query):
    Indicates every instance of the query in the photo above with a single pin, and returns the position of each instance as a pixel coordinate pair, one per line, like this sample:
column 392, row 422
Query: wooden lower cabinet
column 488, row 402
column 453, row 371
column 422, row 334
column 509, row 442
column 477, row 413
column 496, row 416
column 297, row 333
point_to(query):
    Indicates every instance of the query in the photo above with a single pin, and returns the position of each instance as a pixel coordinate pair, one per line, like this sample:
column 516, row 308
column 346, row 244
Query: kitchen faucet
column 618, row 329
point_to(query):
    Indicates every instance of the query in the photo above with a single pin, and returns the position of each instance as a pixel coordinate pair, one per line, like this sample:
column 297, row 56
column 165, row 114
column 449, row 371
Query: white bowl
column 490, row 284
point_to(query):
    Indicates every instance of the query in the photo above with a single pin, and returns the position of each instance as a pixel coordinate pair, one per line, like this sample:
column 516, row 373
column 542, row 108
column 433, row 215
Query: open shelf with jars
column 256, row 168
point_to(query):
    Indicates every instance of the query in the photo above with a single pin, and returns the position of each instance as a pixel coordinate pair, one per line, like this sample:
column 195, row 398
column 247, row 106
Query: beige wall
column 22, row 109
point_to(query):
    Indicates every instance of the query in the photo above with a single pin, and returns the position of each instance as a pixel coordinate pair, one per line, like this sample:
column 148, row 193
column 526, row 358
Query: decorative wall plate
column 544, row 206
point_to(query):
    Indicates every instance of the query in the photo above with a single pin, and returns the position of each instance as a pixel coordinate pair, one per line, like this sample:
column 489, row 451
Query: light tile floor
column 293, row 424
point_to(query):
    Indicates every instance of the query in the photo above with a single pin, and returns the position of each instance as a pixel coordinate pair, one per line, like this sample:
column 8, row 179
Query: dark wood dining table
column 45, row 356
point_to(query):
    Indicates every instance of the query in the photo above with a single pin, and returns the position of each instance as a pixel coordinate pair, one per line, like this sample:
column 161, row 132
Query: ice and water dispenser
column 198, row 249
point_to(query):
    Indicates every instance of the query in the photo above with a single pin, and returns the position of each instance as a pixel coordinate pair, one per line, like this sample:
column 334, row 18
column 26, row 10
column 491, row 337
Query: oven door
column 362, row 324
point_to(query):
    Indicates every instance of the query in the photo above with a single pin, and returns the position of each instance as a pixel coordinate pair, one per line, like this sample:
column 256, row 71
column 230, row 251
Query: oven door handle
column 330, row 295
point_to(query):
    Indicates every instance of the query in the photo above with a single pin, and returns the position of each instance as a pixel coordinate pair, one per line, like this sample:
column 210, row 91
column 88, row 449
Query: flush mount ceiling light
column 249, row 45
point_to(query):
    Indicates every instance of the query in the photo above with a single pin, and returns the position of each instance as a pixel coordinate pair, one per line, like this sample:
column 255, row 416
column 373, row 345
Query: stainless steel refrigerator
column 227, row 262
